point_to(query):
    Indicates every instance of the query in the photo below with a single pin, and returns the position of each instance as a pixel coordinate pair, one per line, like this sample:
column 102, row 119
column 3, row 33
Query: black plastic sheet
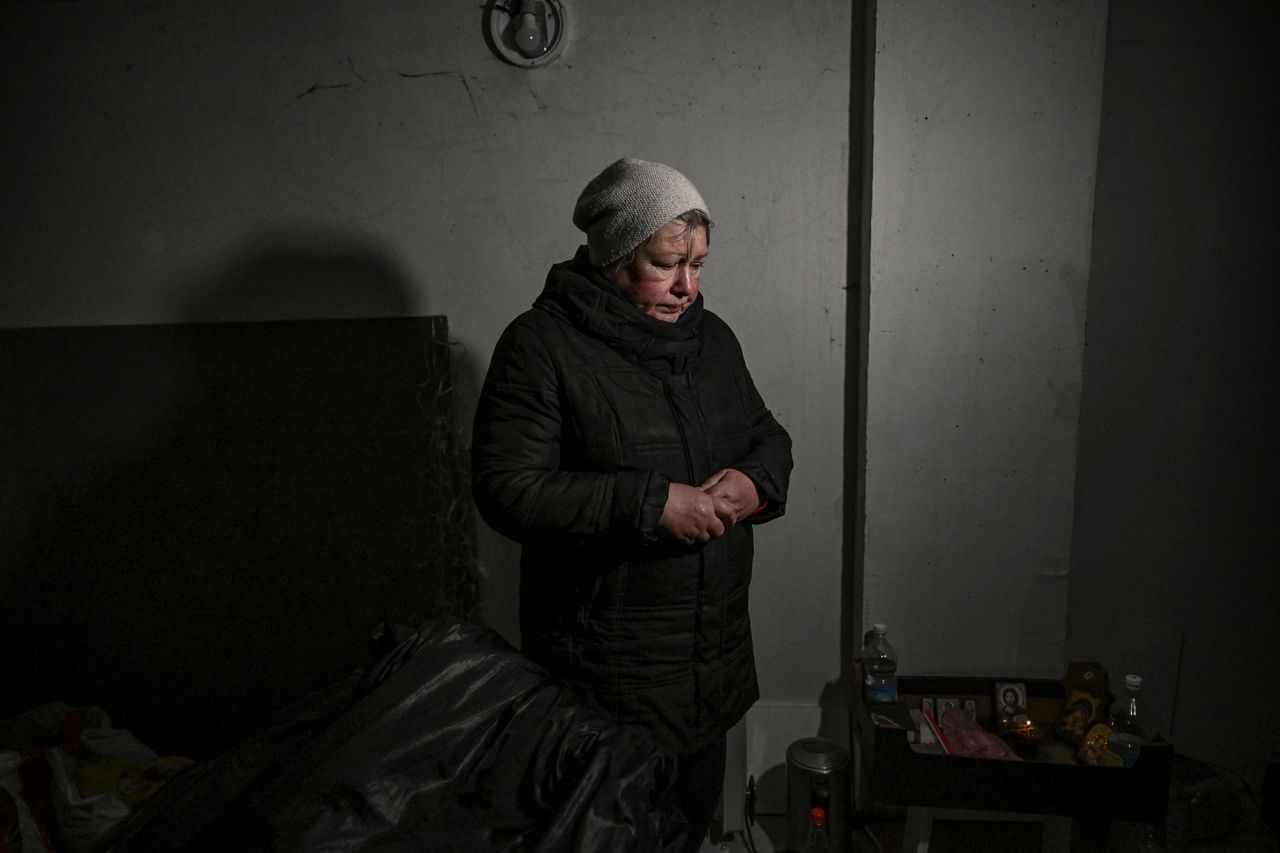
column 453, row 741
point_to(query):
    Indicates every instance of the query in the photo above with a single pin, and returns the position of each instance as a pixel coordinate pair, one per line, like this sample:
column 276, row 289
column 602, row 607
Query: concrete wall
column 1173, row 563
column 985, row 125
column 237, row 161
column 173, row 162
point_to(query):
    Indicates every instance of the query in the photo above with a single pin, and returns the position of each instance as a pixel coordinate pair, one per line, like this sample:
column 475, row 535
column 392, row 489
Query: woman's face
column 662, row 281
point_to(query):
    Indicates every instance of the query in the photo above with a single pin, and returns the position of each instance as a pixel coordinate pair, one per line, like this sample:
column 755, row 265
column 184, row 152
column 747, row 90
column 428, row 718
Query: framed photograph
column 971, row 710
column 1011, row 704
column 926, row 705
column 946, row 703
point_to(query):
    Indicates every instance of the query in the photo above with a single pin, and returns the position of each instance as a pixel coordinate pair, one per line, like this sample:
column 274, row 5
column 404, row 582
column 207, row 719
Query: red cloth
column 968, row 738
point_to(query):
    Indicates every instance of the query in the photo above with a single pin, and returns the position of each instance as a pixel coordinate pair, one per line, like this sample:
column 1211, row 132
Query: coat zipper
column 702, row 565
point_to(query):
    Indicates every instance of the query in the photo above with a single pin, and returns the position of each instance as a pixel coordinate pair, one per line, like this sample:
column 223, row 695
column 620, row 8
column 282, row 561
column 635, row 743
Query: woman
column 620, row 439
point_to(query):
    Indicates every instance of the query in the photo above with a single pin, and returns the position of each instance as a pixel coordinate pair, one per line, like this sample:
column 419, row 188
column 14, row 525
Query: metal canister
column 818, row 775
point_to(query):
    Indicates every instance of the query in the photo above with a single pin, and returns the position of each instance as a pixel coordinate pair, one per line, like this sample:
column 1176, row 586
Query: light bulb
column 528, row 30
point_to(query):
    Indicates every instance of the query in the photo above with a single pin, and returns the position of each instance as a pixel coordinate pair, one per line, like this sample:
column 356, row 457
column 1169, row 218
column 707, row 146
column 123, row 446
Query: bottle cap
column 1133, row 682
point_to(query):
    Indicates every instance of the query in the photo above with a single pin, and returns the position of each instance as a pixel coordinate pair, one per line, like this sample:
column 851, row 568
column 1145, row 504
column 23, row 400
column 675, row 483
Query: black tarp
column 452, row 741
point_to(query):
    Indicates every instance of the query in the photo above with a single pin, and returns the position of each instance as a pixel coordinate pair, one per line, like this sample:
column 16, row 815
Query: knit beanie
column 627, row 202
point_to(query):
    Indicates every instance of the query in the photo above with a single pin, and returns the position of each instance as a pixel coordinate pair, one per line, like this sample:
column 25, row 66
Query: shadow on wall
column 289, row 276
column 212, row 516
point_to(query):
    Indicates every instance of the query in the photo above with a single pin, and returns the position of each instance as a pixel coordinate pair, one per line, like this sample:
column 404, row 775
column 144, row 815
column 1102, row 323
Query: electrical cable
column 1241, row 781
column 872, row 836
column 749, row 814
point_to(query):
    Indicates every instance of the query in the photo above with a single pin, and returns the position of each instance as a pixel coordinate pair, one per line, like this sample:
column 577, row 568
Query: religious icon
column 1011, row 705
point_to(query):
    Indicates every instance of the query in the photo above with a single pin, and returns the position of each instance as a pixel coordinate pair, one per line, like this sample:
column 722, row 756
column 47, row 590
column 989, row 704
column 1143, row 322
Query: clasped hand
column 702, row 513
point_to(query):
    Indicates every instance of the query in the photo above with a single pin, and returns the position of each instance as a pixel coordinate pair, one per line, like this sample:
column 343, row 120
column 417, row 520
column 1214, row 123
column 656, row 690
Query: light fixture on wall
column 527, row 33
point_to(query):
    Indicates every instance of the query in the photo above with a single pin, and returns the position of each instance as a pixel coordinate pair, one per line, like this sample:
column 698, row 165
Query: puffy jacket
column 589, row 411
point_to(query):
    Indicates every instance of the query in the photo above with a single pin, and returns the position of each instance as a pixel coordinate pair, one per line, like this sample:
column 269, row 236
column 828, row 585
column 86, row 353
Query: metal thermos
column 818, row 775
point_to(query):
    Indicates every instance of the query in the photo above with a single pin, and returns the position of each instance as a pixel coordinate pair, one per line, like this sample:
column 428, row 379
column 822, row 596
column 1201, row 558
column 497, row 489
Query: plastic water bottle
column 880, row 668
column 1128, row 735
column 1128, row 729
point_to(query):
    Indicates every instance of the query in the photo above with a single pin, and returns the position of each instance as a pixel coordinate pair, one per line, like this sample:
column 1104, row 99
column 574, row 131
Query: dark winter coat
column 589, row 411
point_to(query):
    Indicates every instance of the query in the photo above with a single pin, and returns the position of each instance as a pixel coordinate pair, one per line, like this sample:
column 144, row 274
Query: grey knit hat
column 627, row 202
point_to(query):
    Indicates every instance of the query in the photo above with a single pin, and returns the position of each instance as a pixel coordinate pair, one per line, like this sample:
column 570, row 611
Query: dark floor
column 1248, row 834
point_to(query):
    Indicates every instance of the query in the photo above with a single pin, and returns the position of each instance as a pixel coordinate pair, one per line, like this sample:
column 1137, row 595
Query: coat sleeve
column 768, row 461
column 519, row 487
